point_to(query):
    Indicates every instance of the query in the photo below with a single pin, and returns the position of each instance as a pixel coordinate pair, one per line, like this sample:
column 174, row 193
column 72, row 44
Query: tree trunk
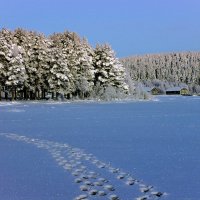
column 0, row 93
column 13, row 94
column 25, row 93
column 36, row 93
column 32, row 95
column 39, row 96
column 43, row 94
column 57, row 95
column 6, row 95
column 21, row 95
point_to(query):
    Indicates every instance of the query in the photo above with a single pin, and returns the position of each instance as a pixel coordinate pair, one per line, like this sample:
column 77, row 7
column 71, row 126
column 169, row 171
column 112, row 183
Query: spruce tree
column 108, row 70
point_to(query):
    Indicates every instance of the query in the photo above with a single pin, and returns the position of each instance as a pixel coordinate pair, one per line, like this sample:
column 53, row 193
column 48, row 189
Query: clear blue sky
column 129, row 26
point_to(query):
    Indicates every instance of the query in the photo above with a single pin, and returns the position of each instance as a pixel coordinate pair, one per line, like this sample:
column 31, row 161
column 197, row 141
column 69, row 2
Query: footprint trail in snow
column 95, row 178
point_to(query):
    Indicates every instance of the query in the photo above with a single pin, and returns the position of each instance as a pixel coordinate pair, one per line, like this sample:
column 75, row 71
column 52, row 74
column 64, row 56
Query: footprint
column 76, row 162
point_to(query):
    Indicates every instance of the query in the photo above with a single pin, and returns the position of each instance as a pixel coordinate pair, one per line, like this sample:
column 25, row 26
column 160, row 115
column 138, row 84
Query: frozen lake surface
column 59, row 151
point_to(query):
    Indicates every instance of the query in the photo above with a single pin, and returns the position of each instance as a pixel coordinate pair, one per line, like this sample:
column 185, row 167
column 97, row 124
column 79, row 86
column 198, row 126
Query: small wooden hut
column 177, row 91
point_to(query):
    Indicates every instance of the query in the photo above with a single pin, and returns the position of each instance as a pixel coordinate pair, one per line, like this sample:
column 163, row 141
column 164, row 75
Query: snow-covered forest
column 63, row 65
column 166, row 70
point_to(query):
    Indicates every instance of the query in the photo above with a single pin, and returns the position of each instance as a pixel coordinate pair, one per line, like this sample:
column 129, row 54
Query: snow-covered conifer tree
column 37, row 58
column 78, row 56
column 4, row 49
column 85, row 70
column 60, row 78
column 40, row 58
column 108, row 70
column 15, row 70
column 37, row 61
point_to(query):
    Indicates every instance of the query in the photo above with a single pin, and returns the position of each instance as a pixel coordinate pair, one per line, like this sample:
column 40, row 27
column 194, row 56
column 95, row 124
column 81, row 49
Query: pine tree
column 16, row 71
column 4, row 49
column 60, row 77
column 37, row 59
column 61, row 71
column 85, row 72
column 39, row 64
column 108, row 70
column 78, row 55
column 15, row 74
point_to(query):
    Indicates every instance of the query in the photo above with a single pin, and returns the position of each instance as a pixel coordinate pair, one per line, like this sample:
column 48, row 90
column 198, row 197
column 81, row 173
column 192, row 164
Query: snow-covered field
column 129, row 150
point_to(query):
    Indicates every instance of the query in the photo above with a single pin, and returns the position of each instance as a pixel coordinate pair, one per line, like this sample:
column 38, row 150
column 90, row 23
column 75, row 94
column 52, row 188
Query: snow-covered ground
column 56, row 151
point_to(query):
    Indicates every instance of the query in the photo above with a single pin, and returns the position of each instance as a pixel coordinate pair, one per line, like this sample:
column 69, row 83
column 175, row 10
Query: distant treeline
column 169, row 69
column 33, row 65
